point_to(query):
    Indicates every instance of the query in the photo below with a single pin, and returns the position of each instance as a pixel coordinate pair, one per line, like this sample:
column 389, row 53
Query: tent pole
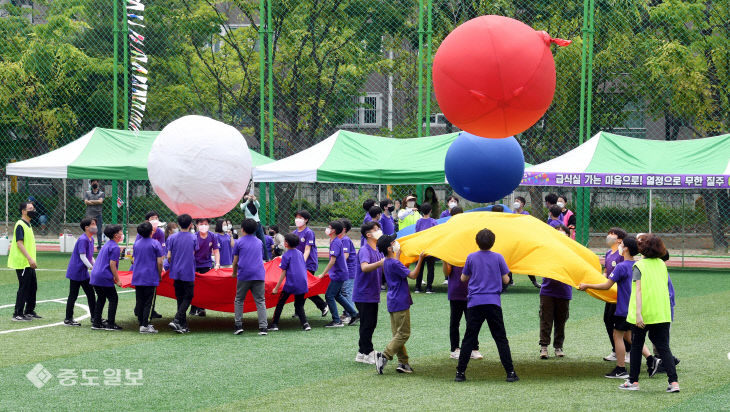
column 262, row 93
column 115, row 86
column 7, row 227
column 125, row 215
column 427, row 64
column 125, row 30
column 270, row 68
column 651, row 206
column 114, row 202
column 64, row 205
column 684, row 234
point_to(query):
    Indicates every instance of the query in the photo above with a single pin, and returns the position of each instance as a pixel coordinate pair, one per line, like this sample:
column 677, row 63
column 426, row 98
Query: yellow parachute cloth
column 530, row 247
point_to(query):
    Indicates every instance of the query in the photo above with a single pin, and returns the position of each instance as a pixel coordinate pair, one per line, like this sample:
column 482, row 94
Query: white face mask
column 452, row 205
column 175, row 230
column 396, row 247
column 411, row 203
column 560, row 204
column 155, row 223
column 299, row 222
column 516, row 205
column 328, row 231
column 203, row 228
column 621, row 250
column 611, row 239
column 376, row 234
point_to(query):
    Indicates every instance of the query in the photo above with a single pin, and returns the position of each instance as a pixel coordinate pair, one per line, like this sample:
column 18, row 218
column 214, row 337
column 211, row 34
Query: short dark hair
column 632, row 245
column 620, row 233
column 555, row 211
column 485, row 239
column 374, row 211
column 275, row 228
column 23, row 205
column 249, row 226
column 304, row 214
column 144, row 229
column 384, row 243
column 521, row 199
column 456, row 210
column 346, row 224
column 651, row 246
column 368, row 226
column 563, row 197
column 366, row 205
column 426, row 208
column 86, row 222
column 184, row 221
column 291, row 239
column 201, row 220
column 94, row 180
column 384, row 203
column 149, row 214
column 112, row 230
column 497, row 208
column 564, row 229
column 219, row 225
column 336, row 225
column 452, row 197
column 551, row 198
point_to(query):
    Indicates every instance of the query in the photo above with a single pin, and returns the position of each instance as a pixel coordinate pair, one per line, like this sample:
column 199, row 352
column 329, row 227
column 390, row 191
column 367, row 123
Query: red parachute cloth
column 216, row 290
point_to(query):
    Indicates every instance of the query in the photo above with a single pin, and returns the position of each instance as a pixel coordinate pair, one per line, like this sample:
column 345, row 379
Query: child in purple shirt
column 82, row 260
column 338, row 272
column 225, row 243
column 308, row 247
column 181, row 248
column 554, row 219
column 426, row 222
column 348, row 248
column 518, row 207
column 614, row 238
column 207, row 245
column 452, row 202
column 146, row 275
column 555, row 299
column 399, row 303
column 248, row 269
column 457, row 294
column 387, row 224
column 366, row 291
column 294, row 270
column 486, row 272
column 104, row 276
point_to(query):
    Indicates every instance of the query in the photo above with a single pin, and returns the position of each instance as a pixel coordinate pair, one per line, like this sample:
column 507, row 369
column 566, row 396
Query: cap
column 384, row 242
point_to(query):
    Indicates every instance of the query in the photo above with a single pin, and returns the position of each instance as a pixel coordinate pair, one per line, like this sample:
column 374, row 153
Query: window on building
column 368, row 112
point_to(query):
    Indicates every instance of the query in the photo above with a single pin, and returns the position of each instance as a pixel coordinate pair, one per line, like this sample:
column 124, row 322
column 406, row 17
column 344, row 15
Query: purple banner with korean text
column 654, row 181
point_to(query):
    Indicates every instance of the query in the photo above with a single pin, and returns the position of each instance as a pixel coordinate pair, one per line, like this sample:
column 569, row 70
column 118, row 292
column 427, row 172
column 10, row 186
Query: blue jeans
column 347, row 287
column 334, row 295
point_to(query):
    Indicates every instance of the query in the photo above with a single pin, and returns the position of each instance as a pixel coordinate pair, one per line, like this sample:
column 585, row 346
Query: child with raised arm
column 294, row 270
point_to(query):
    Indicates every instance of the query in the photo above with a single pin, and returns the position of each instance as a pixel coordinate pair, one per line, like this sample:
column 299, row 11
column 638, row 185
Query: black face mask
column 94, row 186
column 271, row 233
column 391, row 208
column 32, row 214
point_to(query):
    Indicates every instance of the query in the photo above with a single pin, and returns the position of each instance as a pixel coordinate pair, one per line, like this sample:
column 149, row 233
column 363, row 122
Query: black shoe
column 71, row 322
column 21, row 318
column 193, row 312
column 97, row 326
column 201, row 313
column 404, row 368
column 306, row 327
column 113, row 326
column 537, row 285
column 617, row 373
column 155, row 315
column 334, row 324
column 176, row 326
column 429, row 291
column 325, row 311
column 657, row 365
column 417, row 291
column 263, row 331
column 380, row 362
column 460, row 377
column 512, row 377
column 34, row 315
column 650, row 365
column 273, row 327
column 353, row 320
column 238, row 329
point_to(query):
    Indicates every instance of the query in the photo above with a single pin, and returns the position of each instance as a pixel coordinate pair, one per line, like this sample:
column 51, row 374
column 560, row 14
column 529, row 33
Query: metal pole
column 420, row 68
column 126, row 73
column 270, row 33
column 684, row 233
column 125, row 215
column 427, row 94
column 115, row 219
column 651, row 206
column 7, row 223
column 115, row 86
column 262, row 96
column 64, row 205
column 584, row 126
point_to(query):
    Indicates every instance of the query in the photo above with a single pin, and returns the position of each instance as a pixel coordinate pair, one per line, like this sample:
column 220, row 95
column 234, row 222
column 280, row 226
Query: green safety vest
column 16, row 259
column 655, row 307
column 409, row 220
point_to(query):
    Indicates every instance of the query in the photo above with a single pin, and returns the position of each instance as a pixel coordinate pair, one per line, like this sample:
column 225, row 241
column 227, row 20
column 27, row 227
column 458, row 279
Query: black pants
column 532, row 279
column 145, row 295
column 428, row 262
column 262, row 238
column 100, row 233
column 27, row 288
column 194, row 309
column 184, row 295
column 493, row 315
column 608, row 312
column 73, row 294
column 317, row 300
column 659, row 336
column 458, row 308
column 368, row 321
column 104, row 293
column 298, row 307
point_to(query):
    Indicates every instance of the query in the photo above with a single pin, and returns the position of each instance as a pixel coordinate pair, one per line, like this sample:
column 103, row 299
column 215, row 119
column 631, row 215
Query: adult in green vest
column 22, row 259
column 409, row 214
column 650, row 311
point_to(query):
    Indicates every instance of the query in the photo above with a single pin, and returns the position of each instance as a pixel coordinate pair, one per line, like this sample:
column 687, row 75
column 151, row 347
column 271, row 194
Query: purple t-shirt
column 611, row 261
column 306, row 238
column 554, row 223
column 338, row 272
column 524, row 212
column 205, row 249
column 366, row 288
column 249, row 250
column 146, row 252
column 224, row 248
column 396, row 276
column 445, row 213
column 622, row 276
column 182, row 247
column 296, row 272
column 485, row 270
column 425, row 223
column 457, row 290
column 556, row 289
column 101, row 274
column 349, row 248
column 76, row 269
column 367, row 218
column 158, row 235
column 386, row 225
column 269, row 242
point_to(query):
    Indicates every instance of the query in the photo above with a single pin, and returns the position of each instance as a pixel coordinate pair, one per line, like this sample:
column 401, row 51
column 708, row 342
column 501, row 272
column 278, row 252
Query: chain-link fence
column 287, row 74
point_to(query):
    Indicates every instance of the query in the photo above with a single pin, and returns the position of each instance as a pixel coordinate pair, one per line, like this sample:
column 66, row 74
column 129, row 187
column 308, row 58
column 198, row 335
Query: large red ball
column 494, row 76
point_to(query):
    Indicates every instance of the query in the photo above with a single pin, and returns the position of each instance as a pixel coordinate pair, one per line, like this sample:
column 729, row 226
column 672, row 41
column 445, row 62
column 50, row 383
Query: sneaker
column 113, row 326
column 417, row 291
column 71, row 322
column 460, row 377
column 475, row 354
column 380, row 362
column 559, row 352
column 354, row 320
column 345, row 319
column 610, row 358
column 617, row 373
column 263, row 331
column 512, row 377
column 97, row 326
column 193, row 312
column 237, row 329
column 155, row 315
column 628, row 386
column 294, row 316
column 537, row 285
column 445, row 282
column 325, row 311
column 201, row 313
column 334, row 324
column 423, row 283
column 455, row 354
column 430, row 291
column 673, row 387
column 175, row 326
column 655, row 368
column 543, row 352
column 650, row 361
column 185, row 329
column 360, row 357
column 147, row 329
column 404, row 368
column 273, row 327
column 383, row 287
column 306, row 327
column 370, row 358
column 20, row 318
column 33, row 315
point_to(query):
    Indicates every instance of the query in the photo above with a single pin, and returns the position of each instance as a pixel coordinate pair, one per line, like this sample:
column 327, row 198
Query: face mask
column 203, row 228
column 328, row 231
column 175, row 230
column 452, row 205
column 610, row 240
column 560, row 204
column 391, row 208
column 155, row 223
column 121, row 238
column 516, row 205
column 271, row 233
column 94, row 230
column 32, row 214
column 94, row 186
column 621, row 250
column 411, row 203
column 299, row 222
column 396, row 247
column 377, row 234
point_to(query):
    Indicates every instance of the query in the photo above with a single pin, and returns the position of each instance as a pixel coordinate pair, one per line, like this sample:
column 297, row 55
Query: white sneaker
column 610, row 358
column 423, row 283
column 369, row 358
column 455, row 354
column 147, row 329
column 446, row 282
column 476, row 355
column 360, row 357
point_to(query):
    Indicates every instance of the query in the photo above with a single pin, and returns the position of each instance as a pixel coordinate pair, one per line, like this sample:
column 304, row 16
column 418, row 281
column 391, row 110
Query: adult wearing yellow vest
column 22, row 259
column 650, row 311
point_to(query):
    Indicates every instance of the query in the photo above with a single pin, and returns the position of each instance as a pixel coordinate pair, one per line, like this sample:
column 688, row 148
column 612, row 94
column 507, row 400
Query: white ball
column 199, row 166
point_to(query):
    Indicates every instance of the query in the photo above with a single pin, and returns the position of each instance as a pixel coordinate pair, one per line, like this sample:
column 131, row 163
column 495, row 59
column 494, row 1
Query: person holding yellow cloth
column 409, row 214
column 22, row 258
column 650, row 310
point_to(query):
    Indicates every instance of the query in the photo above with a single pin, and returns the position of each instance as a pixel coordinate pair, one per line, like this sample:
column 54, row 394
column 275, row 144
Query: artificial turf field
column 211, row 369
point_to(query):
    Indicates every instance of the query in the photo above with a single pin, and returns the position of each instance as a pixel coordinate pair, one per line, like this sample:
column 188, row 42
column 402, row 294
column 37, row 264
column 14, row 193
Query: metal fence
column 289, row 73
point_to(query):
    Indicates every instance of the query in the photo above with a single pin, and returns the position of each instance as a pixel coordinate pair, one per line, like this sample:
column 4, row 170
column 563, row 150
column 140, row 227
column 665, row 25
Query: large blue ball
column 484, row 170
